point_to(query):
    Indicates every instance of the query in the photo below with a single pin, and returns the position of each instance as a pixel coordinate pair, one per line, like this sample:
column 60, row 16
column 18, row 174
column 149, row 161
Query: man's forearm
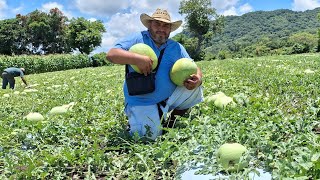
column 24, row 81
column 120, row 56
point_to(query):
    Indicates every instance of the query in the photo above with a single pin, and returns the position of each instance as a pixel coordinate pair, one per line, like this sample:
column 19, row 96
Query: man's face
column 160, row 31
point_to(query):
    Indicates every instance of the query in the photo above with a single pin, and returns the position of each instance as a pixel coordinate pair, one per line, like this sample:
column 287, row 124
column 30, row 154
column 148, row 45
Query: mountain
column 275, row 25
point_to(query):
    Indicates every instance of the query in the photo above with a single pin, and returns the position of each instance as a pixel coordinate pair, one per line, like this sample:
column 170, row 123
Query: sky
column 122, row 17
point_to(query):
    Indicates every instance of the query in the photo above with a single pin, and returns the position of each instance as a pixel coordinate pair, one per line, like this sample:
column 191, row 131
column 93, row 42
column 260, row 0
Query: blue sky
column 121, row 17
column 268, row 5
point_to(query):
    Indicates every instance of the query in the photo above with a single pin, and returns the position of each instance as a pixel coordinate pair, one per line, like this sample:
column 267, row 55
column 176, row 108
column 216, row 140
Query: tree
column 84, row 35
column 37, row 30
column 12, row 36
column 57, row 36
column 318, row 35
column 48, row 33
column 202, row 21
column 44, row 32
column 189, row 44
column 303, row 42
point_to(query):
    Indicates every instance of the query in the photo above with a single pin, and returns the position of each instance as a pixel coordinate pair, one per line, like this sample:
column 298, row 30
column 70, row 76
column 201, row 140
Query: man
column 9, row 74
column 144, row 111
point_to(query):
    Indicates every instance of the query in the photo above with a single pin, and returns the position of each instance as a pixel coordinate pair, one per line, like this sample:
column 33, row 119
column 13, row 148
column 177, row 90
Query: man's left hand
column 192, row 82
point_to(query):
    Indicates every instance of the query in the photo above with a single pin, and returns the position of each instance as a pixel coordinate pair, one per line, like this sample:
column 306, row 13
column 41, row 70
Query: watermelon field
column 276, row 117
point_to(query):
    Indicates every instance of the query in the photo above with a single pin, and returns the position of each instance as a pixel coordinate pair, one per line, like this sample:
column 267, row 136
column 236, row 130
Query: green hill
column 277, row 25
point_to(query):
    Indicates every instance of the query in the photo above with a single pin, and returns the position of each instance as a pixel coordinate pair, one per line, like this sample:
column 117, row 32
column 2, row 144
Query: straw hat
column 160, row 15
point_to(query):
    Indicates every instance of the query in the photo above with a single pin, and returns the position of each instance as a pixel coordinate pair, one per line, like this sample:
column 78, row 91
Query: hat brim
column 145, row 19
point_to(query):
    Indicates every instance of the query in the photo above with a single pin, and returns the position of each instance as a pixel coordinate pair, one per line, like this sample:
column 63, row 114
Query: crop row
column 47, row 63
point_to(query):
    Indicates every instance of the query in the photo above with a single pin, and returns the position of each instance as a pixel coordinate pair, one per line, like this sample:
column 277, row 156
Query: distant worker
column 9, row 74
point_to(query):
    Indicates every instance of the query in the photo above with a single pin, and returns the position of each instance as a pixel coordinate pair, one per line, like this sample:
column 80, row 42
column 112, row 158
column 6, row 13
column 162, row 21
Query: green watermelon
column 182, row 70
column 229, row 155
column 146, row 50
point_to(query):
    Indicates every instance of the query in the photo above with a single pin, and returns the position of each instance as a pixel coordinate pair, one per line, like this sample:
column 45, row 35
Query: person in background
column 147, row 113
column 9, row 74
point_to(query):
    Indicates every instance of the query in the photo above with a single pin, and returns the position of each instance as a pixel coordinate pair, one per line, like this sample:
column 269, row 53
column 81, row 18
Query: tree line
column 49, row 33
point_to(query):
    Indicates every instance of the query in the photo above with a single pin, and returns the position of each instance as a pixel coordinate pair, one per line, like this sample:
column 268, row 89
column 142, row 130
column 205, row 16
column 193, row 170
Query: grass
column 90, row 140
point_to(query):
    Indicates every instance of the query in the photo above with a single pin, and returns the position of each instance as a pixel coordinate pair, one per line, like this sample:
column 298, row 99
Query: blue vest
column 164, row 85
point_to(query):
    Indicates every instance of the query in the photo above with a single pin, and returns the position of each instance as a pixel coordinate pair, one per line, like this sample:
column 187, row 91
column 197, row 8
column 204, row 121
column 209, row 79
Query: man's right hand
column 145, row 65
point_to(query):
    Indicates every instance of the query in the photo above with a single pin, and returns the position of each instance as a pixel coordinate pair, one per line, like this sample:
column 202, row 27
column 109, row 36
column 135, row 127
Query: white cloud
column 245, row 8
column 108, row 41
column 121, row 25
column 301, row 5
column 17, row 10
column 230, row 12
column 149, row 6
column 3, row 4
column 224, row 4
column 231, row 7
column 3, row 7
column 50, row 5
column 102, row 7
column 92, row 19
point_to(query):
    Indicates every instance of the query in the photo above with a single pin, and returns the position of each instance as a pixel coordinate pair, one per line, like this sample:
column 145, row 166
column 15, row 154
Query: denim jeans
column 145, row 120
column 7, row 78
